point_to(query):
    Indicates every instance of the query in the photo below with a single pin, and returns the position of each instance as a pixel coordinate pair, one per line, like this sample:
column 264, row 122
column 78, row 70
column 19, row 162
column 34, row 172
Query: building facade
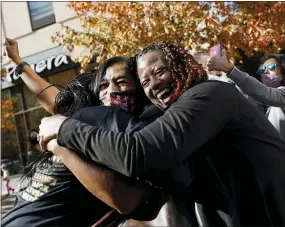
column 32, row 28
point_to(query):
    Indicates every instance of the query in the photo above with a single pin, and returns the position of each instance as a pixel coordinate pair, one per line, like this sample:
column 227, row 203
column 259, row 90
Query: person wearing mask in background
column 270, row 92
column 208, row 123
column 202, row 58
column 33, row 145
column 5, row 178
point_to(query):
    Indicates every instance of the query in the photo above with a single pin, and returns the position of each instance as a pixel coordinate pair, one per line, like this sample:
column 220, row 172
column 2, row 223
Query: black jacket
column 236, row 154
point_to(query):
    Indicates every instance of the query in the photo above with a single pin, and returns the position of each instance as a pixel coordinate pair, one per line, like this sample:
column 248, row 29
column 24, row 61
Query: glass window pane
column 22, row 135
column 39, row 10
column 41, row 14
column 9, row 143
column 29, row 99
column 62, row 78
column 34, row 117
column 16, row 93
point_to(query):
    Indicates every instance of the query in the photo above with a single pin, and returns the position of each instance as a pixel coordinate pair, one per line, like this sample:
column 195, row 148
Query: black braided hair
column 75, row 96
column 185, row 69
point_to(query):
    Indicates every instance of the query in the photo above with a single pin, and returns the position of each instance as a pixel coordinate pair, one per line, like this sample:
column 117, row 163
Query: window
column 62, row 78
column 41, row 14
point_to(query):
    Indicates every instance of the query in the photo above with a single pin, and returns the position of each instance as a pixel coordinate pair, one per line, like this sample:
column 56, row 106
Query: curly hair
column 185, row 69
column 75, row 96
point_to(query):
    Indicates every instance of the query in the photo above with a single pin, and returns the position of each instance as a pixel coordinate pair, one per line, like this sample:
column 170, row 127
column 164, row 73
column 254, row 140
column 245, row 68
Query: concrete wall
column 17, row 25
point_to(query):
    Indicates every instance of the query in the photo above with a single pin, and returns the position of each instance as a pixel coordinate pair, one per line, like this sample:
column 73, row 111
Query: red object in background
column 216, row 51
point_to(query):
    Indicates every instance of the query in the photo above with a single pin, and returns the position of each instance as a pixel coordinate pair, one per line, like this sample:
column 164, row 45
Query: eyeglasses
column 271, row 67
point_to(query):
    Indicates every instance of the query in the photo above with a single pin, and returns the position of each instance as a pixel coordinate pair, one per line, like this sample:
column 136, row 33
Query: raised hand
column 49, row 128
column 12, row 50
column 217, row 63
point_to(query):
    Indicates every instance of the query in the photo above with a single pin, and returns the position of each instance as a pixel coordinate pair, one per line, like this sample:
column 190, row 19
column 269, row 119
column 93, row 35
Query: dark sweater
column 54, row 196
column 214, row 124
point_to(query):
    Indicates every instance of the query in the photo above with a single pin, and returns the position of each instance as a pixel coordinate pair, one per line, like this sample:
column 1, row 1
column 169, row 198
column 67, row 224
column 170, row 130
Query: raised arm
column 33, row 81
column 257, row 90
column 114, row 189
column 248, row 84
column 185, row 127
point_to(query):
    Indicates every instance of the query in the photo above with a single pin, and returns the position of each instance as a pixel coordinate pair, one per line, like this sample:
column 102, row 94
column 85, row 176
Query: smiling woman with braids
column 181, row 78
column 54, row 196
column 216, row 134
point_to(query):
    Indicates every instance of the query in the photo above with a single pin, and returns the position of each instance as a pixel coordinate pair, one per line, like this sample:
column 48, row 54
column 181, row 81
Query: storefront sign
column 49, row 63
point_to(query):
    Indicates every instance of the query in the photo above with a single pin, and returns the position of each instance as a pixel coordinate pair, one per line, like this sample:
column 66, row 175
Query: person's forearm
column 110, row 187
column 161, row 145
column 36, row 84
column 257, row 90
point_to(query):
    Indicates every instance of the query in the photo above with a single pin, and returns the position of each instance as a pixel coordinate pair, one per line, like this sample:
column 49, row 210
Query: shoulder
column 150, row 112
column 281, row 88
column 211, row 89
column 96, row 110
column 103, row 116
column 207, row 97
column 96, row 114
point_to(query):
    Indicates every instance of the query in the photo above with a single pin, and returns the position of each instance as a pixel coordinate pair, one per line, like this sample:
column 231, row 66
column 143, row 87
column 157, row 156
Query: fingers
column 38, row 137
column 6, row 42
column 224, row 53
column 10, row 41
column 42, row 143
column 4, row 51
column 211, row 63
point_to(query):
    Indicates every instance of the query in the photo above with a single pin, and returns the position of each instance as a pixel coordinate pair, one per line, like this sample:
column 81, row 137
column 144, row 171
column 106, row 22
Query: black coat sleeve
column 200, row 114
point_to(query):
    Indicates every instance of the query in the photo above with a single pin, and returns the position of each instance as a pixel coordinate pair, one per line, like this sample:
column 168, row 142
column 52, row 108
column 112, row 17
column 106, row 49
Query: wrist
column 17, row 60
column 59, row 151
column 229, row 68
column 56, row 151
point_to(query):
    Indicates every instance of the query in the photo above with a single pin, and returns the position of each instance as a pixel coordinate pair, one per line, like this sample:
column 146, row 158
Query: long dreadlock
column 185, row 69
column 75, row 96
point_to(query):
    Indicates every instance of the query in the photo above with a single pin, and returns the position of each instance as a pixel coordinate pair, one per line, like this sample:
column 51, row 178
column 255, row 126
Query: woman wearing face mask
column 113, row 85
column 270, row 92
column 214, row 132
column 74, row 97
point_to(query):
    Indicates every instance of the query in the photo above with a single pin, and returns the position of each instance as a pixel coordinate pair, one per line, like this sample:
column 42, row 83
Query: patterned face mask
column 124, row 99
column 272, row 81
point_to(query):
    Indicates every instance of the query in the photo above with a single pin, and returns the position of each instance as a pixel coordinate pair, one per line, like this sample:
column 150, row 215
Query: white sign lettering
column 60, row 59
column 42, row 65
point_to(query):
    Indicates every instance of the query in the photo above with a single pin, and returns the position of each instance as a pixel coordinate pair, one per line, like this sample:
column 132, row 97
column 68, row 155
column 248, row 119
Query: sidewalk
column 7, row 201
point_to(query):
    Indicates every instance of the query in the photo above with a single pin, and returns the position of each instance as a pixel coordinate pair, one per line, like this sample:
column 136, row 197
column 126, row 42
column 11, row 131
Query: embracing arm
column 33, row 81
column 114, row 189
column 186, row 126
column 257, row 90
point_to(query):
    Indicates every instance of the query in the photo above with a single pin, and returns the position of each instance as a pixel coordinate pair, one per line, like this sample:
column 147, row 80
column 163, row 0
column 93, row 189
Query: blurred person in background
column 33, row 145
column 5, row 177
column 270, row 92
column 202, row 59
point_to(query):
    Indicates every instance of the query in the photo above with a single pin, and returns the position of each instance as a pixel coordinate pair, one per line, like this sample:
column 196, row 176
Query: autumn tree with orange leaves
column 123, row 28
column 8, row 126
column 7, row 116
